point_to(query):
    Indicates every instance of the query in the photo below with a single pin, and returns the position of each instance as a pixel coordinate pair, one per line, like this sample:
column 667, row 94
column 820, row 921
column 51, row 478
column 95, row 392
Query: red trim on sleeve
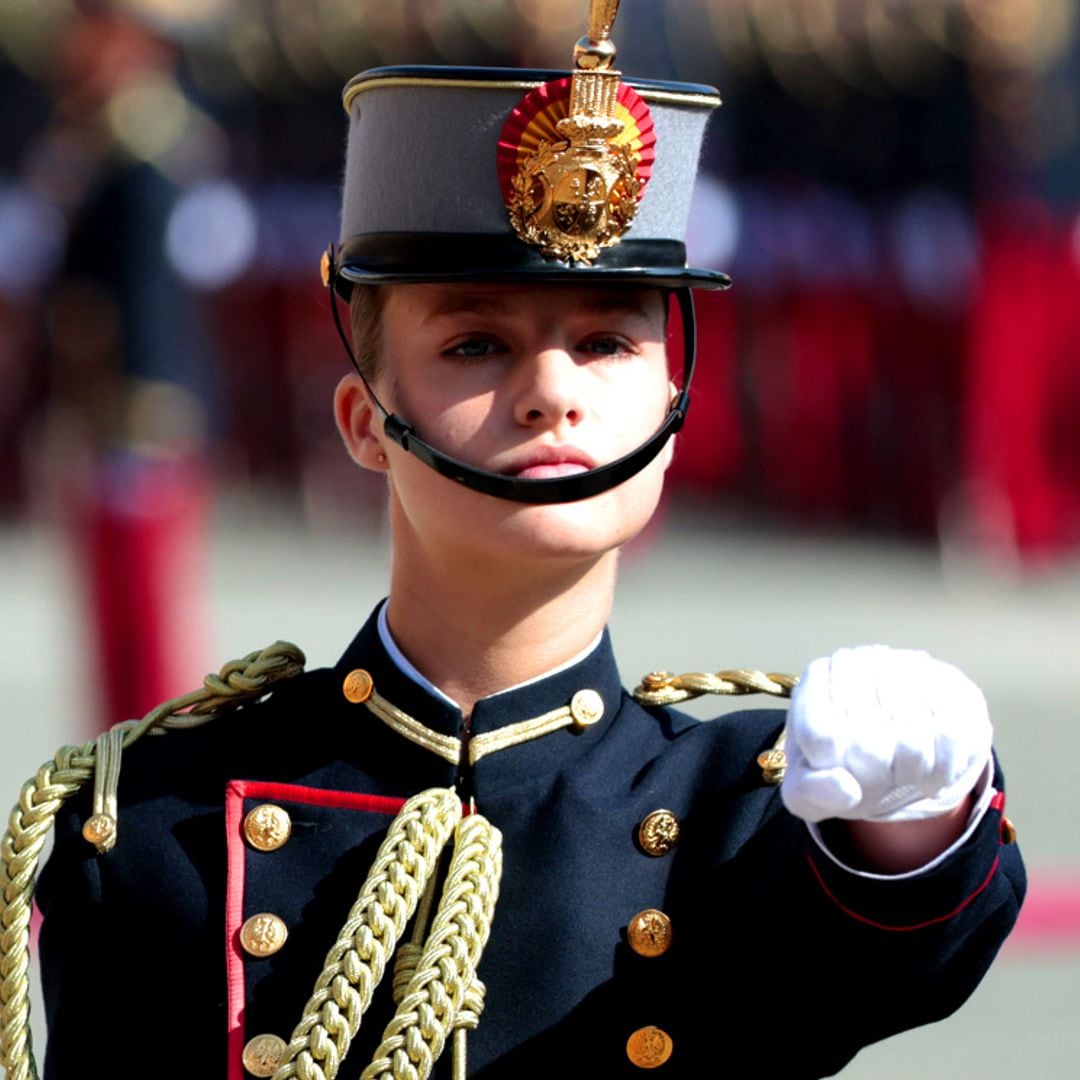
column 236, row 791
column 901, row 929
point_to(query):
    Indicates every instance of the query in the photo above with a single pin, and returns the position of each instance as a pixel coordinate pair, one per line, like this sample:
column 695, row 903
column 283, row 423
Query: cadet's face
column 531, row 382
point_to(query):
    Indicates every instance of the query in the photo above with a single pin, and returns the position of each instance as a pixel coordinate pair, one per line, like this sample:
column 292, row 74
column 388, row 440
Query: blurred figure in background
column 122, row 440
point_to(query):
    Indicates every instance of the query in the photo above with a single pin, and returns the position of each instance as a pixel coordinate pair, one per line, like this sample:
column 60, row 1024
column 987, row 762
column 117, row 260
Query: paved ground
column 700, row 593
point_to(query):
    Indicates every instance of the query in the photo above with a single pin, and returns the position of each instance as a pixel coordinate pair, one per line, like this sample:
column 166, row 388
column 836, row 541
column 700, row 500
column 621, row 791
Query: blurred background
column 883, row 443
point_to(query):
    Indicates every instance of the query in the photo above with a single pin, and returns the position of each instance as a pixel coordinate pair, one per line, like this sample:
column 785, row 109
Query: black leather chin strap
column 559, row 489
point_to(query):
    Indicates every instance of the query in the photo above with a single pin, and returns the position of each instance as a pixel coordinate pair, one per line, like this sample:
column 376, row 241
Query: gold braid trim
column 489, row 742
column 59, row 779
column 444, row 994
column 661, row 688
column 355, row 964
column 436, row 987
column 445, row 746
column 448, row 747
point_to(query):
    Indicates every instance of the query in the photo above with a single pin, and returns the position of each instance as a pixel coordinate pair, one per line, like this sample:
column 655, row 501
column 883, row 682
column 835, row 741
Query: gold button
column 99, row 829
column 586, row 707
column 773, row 765
column 267, row 827
column 659, row 832
column 263, row 934
column 1008, row 831
column 324, row 268
column 263, row 1054
column 358, row 686
column 649, row 933
column 649, row 1047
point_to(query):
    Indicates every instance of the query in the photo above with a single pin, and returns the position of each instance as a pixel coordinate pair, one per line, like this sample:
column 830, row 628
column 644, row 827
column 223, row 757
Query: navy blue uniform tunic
column 781, row 961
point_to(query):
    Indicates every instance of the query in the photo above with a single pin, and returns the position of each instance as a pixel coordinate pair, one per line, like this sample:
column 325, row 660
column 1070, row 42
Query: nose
column 550, row 390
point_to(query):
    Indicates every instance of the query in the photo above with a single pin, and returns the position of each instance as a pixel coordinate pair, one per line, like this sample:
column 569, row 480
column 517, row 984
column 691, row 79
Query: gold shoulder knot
column 663, row 688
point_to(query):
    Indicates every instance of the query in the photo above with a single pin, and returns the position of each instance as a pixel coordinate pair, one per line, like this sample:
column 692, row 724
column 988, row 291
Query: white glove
column 880, row 734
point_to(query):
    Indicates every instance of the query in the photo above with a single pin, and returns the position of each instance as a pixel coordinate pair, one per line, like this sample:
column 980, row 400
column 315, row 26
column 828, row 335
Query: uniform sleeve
column 861, row 957
column 937, row 893
column 122, row 975
column 984, row 795
column 804, row 962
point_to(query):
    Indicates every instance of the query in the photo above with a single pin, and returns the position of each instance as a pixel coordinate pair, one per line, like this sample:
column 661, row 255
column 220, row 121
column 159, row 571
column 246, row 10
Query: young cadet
column 466, row 836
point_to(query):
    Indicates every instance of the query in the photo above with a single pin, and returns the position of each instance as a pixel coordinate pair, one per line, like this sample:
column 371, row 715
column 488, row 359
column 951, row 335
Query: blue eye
column 607, row 345
column 473, row 348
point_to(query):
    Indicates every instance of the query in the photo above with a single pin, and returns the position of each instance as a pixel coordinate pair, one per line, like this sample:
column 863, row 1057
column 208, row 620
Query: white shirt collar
column 406, row 667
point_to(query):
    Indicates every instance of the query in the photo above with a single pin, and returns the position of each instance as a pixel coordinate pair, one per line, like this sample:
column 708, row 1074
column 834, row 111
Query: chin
column 579, row 530
column 445, row 517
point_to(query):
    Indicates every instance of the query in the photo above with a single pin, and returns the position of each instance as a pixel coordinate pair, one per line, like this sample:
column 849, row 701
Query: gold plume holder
column 573, row 197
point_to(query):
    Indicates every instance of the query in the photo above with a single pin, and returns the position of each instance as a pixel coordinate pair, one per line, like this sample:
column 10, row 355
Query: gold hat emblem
column 576, row 192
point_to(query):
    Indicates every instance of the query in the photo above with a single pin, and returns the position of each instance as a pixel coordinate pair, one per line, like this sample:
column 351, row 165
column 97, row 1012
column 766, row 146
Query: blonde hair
column 365, row 319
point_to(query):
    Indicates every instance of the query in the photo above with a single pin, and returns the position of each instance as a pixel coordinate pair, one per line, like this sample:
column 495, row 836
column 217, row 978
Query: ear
column 359, row 425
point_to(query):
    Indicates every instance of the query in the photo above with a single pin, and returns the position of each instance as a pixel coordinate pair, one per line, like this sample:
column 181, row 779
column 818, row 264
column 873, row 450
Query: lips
column 547, row 462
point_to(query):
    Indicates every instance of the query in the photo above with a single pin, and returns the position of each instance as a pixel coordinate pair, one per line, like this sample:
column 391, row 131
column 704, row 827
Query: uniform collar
column 424, row 702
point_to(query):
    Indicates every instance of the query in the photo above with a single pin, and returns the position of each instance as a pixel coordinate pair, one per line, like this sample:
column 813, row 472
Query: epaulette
column 663, row 688
column 237, row 683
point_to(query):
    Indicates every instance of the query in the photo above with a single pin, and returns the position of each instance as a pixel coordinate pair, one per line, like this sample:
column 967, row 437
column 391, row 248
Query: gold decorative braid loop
column 409, row 953
column 469, row 1014
column 488, row 742
column 406, row 961
column 356, row 962
column 445, row 746
column 59, row 779
column 448, row 747
column 240, row 680
column 661, row 688
column 444, row 992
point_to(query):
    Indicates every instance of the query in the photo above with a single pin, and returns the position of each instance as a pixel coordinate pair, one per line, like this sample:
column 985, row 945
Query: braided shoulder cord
column 41, row 798
column 444, row 993
column 661, row 688
column 356, row 962
column 20, row 852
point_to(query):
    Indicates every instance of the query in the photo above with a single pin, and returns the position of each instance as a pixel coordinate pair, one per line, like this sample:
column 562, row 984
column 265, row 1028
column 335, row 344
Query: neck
column 474, row 630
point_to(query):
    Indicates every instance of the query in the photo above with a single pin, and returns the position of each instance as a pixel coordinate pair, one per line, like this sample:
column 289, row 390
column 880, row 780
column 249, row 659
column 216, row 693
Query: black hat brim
column 414, row 258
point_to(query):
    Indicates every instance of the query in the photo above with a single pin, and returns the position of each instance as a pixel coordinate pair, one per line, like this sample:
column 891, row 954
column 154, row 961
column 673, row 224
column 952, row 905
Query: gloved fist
column 880, row 734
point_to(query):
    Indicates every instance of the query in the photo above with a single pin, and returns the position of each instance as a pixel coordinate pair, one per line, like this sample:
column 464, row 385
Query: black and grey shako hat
column 476, row 174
